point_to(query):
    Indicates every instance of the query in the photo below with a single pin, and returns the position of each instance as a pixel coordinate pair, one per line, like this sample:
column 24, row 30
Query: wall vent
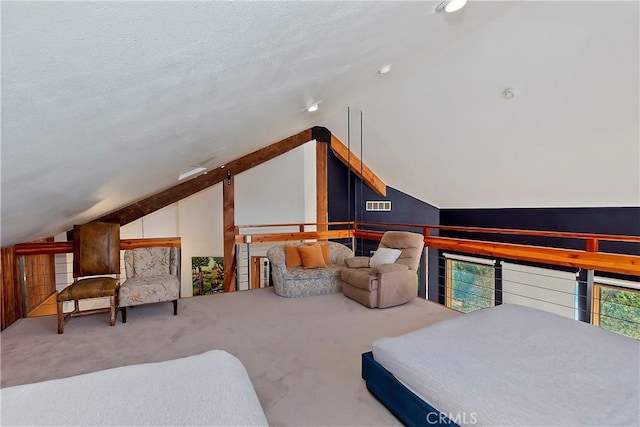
column 378, row 205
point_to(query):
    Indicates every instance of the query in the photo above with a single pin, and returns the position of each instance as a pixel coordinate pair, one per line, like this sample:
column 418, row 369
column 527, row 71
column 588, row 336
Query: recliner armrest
column 386, row 268
column 357, row 262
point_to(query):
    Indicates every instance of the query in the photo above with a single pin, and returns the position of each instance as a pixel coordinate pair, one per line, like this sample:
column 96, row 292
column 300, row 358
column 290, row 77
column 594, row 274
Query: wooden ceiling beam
column 185, row 189
column 355, row 164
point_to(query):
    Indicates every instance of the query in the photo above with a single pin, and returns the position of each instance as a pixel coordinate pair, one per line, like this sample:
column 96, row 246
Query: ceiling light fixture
column 190, row 173
column 313, row 107
column 451, row 5
column 385, row 69
column 509, row 93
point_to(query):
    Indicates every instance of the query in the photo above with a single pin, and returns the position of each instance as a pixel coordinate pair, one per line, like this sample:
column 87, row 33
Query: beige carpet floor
column 302, row 354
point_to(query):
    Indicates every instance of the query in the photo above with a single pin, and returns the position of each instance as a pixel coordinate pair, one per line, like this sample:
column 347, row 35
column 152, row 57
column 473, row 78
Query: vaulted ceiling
column 104, row 103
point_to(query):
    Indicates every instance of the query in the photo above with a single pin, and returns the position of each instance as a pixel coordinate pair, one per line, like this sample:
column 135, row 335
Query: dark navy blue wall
column 347, row 204
column 606, row 220
column 620, row 220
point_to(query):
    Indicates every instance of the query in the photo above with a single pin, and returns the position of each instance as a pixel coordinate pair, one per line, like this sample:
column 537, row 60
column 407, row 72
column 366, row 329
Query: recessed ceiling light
column 451, row 5
column 313, row 107
column 385, row 69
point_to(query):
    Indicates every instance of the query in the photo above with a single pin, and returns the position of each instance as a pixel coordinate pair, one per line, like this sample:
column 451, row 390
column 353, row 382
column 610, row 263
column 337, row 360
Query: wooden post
column 322, row 215
column 228, row 219
column 10, row 289
column 256, row 271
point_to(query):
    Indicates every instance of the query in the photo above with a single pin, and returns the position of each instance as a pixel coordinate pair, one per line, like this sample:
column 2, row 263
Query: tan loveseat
column 302, row 282
column 388, row 284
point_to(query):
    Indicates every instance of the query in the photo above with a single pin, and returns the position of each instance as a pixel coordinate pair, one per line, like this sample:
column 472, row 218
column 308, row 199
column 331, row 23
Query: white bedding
column 211, row 388
column 513, row 365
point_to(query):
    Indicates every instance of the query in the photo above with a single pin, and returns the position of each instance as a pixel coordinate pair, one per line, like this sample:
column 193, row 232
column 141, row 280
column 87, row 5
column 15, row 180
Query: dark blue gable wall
column 609, row 220
column 346, row 203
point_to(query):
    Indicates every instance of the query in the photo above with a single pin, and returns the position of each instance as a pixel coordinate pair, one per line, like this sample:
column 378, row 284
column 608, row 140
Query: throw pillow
column 384, row 256
column 292, row 257
column 326, row 251
column 311, row 256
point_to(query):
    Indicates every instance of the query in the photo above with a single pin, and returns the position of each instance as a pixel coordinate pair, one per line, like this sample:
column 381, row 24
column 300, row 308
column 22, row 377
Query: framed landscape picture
column 207, row 273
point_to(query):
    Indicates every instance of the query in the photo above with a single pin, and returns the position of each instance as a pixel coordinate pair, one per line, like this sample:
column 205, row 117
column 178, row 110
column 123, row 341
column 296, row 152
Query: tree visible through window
column 617, row 309
column 470, row 286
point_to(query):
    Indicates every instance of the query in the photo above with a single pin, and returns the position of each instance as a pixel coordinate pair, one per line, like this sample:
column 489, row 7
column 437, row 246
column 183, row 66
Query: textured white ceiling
column 569, row 138
column 104, row 103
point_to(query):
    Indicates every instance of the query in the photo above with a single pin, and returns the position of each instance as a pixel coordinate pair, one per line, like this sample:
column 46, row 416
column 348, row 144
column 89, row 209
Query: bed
column 507, row 365
column 212, row 389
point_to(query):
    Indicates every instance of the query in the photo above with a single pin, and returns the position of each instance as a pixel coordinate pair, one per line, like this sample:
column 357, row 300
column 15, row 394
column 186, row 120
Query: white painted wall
column 278, row 191
column 201, row 230
column 541, row 288
column 282, row 190
column 162, row 223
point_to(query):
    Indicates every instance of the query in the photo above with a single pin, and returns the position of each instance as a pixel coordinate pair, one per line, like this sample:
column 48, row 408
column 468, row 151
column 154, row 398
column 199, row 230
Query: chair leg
column 123, row 312
column 175, row 307
column 60, row 318
column 112, row 312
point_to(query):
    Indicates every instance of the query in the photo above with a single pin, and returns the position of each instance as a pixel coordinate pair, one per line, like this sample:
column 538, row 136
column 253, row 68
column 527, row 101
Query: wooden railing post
column 229, row 227
column 228, row 278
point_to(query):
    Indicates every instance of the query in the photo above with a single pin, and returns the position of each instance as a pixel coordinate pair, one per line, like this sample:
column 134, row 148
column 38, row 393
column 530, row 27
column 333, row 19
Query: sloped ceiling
column 104, row 103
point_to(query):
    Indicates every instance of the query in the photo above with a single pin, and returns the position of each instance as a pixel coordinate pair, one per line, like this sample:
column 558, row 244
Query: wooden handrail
column 171, row 242
column 293, row 224
column 51, row 248
column 304, row 235
column 608, row 237
column 616, row 263
column 590, row 258
column 43, row 248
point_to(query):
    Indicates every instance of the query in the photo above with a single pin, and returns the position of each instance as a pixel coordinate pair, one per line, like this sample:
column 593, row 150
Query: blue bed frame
column 406, row 406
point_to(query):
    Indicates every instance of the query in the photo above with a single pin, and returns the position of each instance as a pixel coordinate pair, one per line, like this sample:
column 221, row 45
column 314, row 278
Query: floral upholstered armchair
column 152, row 276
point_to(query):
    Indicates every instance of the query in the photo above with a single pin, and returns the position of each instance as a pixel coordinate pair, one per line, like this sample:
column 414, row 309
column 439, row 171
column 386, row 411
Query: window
column 617, row 309
column 470, row 285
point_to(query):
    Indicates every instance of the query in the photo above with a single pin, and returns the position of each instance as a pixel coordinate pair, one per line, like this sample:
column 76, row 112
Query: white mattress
column 211, row 389
column 513, row 365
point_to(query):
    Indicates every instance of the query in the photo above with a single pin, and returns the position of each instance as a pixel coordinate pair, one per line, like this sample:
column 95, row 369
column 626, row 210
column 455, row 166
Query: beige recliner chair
column 388, row 278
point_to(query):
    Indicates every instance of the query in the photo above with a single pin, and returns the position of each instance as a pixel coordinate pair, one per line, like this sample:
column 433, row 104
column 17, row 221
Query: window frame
column 596, row 300
column 489, row 263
